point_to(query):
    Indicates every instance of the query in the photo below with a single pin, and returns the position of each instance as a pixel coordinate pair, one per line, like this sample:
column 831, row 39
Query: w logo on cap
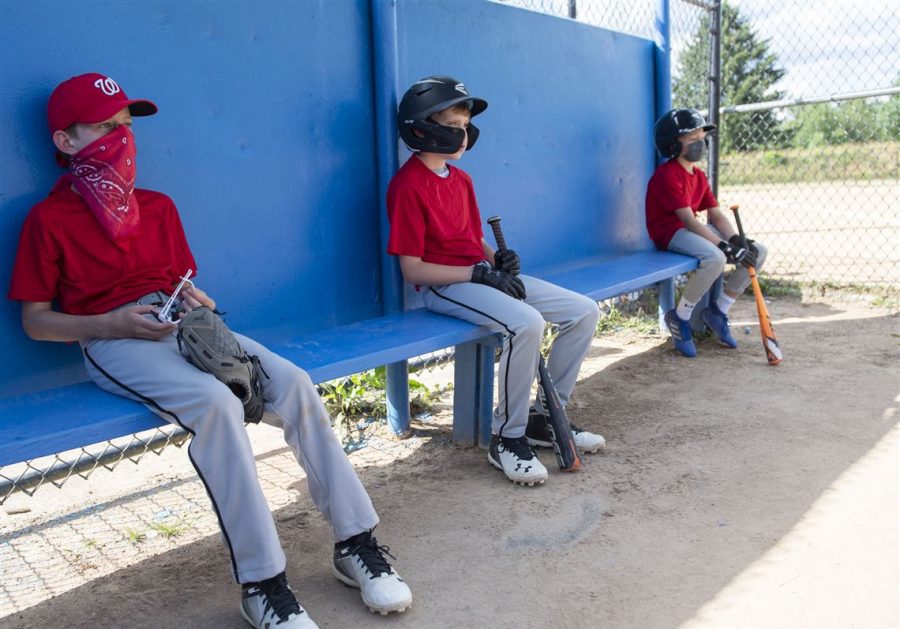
column 107, row 86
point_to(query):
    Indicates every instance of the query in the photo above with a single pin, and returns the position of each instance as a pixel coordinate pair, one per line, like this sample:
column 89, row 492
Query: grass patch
column 866, row 161
column 169, row 530
column 774, row 287
column 880, row 296
column 135, row 537
column 358, row 400
column 635, row 319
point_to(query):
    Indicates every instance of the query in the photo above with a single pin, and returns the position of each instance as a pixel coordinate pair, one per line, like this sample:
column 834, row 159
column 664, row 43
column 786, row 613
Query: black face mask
column 694, row 151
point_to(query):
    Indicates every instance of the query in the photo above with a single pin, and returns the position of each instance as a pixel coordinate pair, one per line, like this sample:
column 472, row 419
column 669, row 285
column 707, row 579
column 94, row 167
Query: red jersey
column 434, row 218
column 672, row 187
column 64, row 254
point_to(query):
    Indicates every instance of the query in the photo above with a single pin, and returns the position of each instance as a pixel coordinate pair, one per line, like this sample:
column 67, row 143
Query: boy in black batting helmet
column 436, row 231
column 676, row 193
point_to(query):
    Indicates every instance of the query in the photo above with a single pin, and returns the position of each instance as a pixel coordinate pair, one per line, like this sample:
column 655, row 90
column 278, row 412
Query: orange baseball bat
column 770, row 342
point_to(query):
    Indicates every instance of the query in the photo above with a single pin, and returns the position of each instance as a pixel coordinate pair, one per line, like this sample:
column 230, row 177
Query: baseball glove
column 209, row 345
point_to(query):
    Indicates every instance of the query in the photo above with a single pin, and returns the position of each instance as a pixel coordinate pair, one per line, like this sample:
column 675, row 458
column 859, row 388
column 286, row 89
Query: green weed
column 169, row 530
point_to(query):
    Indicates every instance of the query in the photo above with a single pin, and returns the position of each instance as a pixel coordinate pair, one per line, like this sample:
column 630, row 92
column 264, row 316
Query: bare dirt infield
column 730, row 494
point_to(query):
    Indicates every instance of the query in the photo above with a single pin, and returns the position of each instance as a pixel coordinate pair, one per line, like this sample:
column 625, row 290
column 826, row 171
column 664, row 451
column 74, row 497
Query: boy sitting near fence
column 109, row 255
column 436, row 231
column 676, row 193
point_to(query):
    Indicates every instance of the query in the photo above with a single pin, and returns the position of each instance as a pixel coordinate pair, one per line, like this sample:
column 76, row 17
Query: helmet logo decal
column 107, row 86
column 459, row 87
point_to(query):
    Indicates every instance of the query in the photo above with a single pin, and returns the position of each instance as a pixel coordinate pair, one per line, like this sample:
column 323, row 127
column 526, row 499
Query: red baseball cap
column 91, row 98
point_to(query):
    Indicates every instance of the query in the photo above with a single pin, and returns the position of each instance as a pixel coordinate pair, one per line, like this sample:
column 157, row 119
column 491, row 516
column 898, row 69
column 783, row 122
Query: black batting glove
column 507, row 261
column 738, row 255
column 501, row 280
column 736, row 241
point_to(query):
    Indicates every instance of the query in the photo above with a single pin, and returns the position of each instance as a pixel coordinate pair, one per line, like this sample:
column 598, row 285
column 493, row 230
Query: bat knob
column 493, row 219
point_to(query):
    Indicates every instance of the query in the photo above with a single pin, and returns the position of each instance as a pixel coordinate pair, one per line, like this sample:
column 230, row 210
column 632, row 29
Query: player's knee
column 590, row 311
column 530, row 324
column 763, row 251
column 714, row 261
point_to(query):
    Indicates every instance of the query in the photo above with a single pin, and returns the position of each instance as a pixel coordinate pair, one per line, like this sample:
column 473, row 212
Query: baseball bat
column 770, row 342
column 567, row 457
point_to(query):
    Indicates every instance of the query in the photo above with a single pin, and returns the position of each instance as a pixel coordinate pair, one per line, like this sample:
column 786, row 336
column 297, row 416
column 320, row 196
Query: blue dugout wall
column 566, row 144
column 265, row 139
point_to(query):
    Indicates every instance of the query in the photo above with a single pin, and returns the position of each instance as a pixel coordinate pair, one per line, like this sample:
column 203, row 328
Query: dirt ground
column 730, row 494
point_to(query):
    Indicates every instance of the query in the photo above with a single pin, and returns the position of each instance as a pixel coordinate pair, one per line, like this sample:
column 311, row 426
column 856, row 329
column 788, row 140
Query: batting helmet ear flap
column 472, row 135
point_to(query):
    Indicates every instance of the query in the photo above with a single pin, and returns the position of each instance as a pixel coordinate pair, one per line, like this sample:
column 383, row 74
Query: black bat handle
column 737, row 219
column 494, row 222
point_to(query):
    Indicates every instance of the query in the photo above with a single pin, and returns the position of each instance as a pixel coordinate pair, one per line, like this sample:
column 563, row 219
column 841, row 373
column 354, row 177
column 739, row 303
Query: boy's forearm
column 692, row 224
column 50, row 325
column 721, row 222
column 417, row 271
column 488, row 250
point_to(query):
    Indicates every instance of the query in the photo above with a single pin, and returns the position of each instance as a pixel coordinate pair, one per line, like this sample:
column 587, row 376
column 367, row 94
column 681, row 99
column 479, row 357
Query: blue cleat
column 681, row 334
column 717, row 321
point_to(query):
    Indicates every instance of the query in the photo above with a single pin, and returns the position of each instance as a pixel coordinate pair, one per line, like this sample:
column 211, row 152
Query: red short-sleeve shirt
column 434, row 218
column 672, row 187
column 64, row 254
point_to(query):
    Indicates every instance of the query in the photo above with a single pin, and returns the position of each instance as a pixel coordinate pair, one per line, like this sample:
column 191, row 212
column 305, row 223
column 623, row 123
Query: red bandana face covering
column 103, row 173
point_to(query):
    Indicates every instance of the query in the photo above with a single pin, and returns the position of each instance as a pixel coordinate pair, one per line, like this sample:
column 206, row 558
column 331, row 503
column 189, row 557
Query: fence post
column 384, row 42
column 715, row 76
column 662, row 61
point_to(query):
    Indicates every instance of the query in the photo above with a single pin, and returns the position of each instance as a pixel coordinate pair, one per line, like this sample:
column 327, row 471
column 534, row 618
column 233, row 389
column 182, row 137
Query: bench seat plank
column 603, row 277
column 63, row 418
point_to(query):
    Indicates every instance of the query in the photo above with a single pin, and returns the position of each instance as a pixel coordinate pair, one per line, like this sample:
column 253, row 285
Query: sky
column 829, row 46
column 826, row 46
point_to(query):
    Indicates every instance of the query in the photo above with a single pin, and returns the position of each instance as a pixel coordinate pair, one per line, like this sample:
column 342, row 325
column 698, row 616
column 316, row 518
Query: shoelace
column 372, row 556
column 518, row 446
column 279, row 597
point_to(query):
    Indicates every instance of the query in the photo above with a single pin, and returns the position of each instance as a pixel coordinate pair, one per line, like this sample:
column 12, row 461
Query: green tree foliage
column 848, row 121
column 749, row 72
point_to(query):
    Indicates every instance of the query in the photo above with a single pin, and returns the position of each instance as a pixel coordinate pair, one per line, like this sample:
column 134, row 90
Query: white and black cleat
column 359, row 562
column 538, row 434
column 587, row 441
column 271, row 603
column 517, row 460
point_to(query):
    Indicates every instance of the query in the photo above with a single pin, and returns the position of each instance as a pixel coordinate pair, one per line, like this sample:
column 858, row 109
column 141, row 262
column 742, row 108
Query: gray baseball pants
column 522, row 325
column 156, row 374
column 712, row 264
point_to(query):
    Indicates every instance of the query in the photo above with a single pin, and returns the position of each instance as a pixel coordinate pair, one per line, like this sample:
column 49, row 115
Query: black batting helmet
column 673, row 124
column 427, row 97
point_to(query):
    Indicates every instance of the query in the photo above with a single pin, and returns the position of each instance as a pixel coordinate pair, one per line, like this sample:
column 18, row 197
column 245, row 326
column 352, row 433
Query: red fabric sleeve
column 35, row 275
column 406, row 214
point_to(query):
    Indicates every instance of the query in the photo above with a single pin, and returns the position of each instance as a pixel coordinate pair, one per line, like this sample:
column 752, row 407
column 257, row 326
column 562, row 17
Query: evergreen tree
column 749, row 71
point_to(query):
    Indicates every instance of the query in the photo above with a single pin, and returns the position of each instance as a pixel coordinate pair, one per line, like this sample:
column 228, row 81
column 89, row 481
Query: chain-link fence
column 809, row 134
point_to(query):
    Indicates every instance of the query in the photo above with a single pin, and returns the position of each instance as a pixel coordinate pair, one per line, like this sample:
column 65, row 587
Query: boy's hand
column 738, row 255
column 507, row 261
column 130, row 323
column 736, row 241
column 501, row 280
column 192, row 297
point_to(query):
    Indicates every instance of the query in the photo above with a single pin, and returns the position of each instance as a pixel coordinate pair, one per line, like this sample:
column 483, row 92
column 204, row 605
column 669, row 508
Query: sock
column 685, row 308
column 724, row 302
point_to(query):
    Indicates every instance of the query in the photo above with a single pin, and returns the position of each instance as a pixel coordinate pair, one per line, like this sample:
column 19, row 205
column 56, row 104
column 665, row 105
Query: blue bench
column 58, row 419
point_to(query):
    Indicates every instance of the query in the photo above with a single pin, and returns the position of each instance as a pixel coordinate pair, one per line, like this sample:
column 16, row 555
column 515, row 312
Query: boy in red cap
column 676, row 193
column 436, row 233
column 109, row 255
